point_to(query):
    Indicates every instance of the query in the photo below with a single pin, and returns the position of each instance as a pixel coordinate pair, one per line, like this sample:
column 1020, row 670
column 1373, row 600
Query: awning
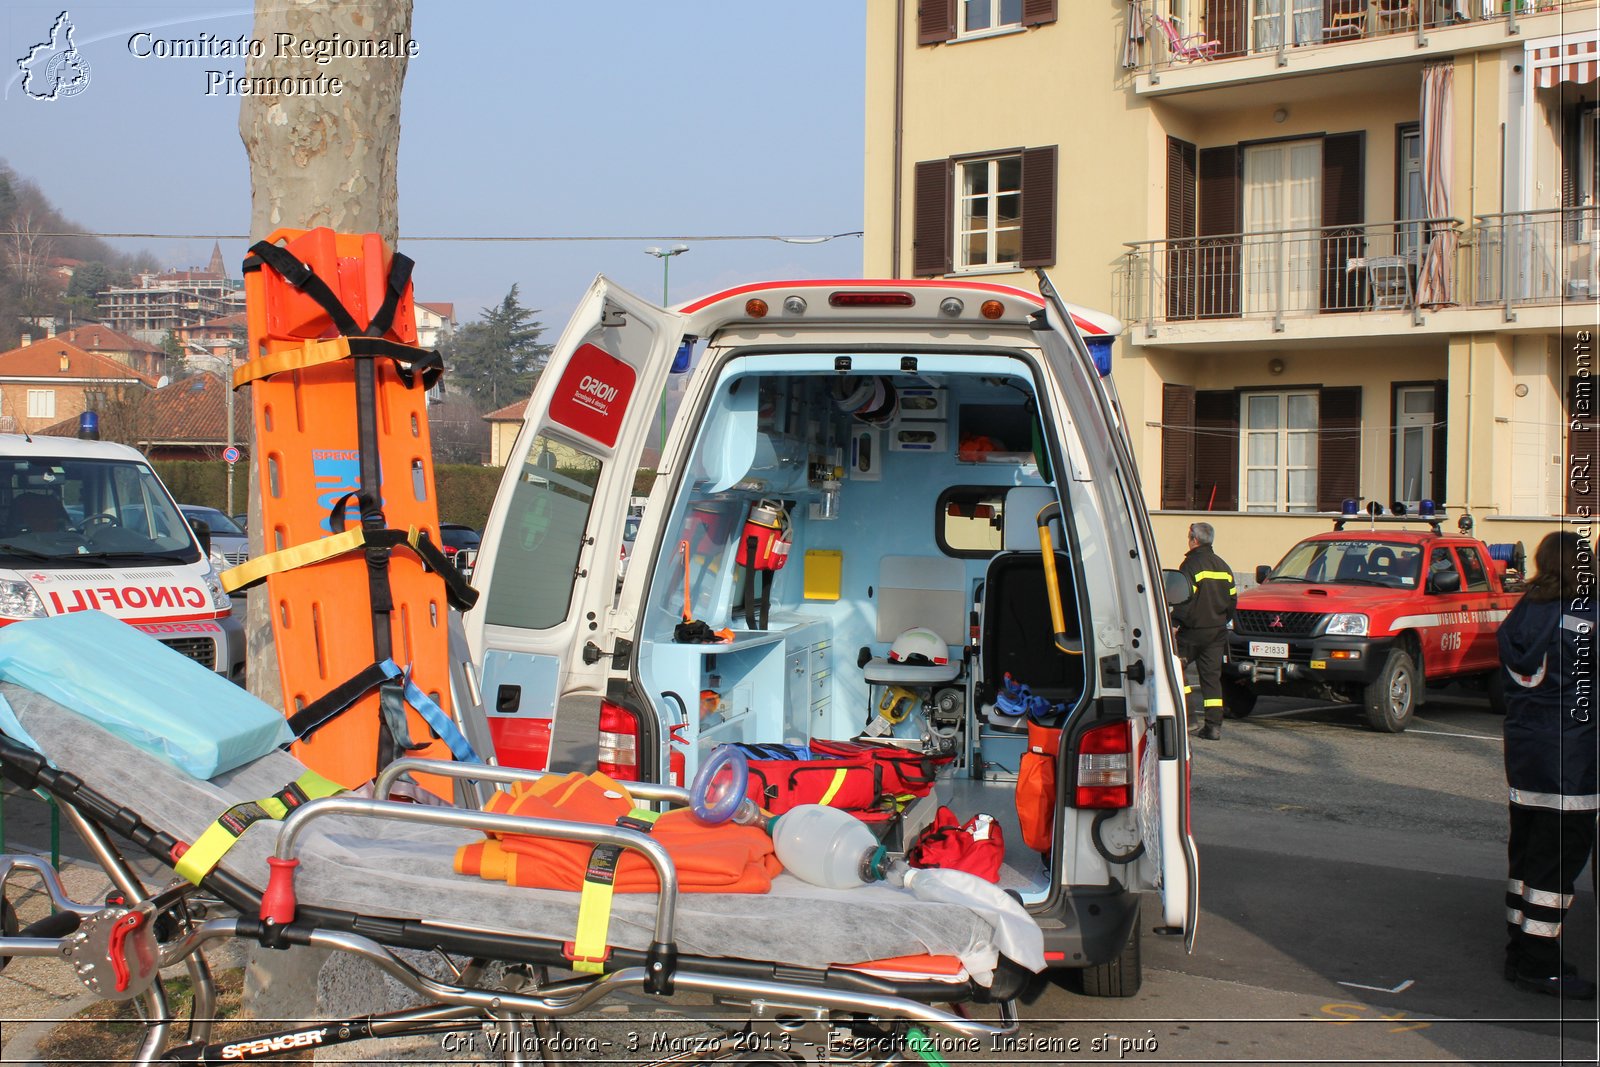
column 1576, row 61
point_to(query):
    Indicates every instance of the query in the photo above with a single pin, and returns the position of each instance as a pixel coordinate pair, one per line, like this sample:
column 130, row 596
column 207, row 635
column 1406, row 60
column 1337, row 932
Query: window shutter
column 1038, row 207
column 1216, row 450
column 931, row 235
column 1343, row 213
column 1582, row 469
column 936, row 21
column 1224, row 23
column 1218, row 212
column 1441, row 420
column 1038, row 12
column 1180, row 229
column 1338, row 446
column 1177, row 446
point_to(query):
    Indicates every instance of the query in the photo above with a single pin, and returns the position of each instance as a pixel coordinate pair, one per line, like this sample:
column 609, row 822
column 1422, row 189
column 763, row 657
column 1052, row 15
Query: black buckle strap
column 323, row 710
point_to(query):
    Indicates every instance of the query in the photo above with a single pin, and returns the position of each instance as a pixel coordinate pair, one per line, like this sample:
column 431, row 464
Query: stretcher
column 372, row 878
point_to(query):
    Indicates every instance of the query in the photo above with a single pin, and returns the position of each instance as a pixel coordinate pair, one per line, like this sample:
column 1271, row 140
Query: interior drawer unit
column 819, row 710
column 821, row 684
column 820, row 653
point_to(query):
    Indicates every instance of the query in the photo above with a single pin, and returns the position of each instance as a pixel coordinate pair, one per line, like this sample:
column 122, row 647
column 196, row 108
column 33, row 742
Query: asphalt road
column 1352, row 910
column 1351, row 906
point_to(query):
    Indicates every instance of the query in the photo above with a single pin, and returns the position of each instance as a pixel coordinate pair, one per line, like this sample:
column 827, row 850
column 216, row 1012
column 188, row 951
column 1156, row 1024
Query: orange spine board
column 307, row 457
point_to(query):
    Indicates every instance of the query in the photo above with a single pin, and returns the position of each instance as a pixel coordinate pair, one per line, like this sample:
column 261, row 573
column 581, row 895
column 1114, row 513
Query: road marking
column 1401, row 988
column 1447, row 733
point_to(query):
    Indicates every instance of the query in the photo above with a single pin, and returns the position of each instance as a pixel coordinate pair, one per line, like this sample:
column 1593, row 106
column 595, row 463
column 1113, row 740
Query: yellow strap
column 594, row 905
column 834, row 786
column 209, row 848
column 309, row 354
column 254, row 570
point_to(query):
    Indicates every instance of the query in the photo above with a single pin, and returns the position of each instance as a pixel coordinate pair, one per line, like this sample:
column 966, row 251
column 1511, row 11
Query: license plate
column 1269, row 649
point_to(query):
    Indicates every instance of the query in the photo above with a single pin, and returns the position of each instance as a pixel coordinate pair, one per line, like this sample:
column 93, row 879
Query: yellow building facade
column 1354, row 244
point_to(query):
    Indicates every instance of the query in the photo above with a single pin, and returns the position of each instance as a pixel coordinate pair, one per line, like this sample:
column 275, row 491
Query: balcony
column 1379, row 278
column 1251, row 39
column 1532, row 258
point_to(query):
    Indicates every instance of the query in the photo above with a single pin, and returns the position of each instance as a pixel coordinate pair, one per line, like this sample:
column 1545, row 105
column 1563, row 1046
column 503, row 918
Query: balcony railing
column 1536, row 257
column 1275, row 274
column 1519, row 259
column 1267, row 27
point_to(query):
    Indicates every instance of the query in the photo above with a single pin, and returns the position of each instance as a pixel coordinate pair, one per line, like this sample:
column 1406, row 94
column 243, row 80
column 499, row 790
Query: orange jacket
column 709, row 859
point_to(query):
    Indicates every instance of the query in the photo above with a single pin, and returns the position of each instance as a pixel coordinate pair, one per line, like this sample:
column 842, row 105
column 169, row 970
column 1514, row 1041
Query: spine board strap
column 330, row 705
column 255, row 571
column 195, row 861
column 412, row 363
column 588, row 949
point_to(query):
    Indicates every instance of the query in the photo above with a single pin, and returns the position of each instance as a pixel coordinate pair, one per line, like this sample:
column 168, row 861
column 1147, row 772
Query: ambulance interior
column 909, row 501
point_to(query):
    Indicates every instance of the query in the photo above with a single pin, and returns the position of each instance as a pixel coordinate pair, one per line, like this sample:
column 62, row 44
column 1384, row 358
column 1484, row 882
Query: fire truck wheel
column 1237, row 699
column 1392, row 696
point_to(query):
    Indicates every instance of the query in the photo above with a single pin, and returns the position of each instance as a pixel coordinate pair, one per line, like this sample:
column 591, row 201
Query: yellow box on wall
column 824, row 566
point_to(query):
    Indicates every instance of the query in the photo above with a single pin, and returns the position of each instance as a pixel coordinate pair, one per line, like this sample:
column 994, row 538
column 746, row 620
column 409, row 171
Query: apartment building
column 1353, row 243
column 52, row 379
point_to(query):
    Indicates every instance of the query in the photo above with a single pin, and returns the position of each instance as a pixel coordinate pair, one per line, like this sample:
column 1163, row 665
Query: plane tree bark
column 315, row 160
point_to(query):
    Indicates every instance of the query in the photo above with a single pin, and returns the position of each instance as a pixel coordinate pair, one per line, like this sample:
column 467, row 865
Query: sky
column 652, row 120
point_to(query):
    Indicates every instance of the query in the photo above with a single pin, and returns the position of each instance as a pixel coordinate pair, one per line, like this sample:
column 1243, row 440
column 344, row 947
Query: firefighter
column 1548, row 647
column 1201, row 619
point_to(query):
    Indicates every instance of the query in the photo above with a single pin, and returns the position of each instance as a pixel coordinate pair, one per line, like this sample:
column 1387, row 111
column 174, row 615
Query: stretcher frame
column 809, row 1007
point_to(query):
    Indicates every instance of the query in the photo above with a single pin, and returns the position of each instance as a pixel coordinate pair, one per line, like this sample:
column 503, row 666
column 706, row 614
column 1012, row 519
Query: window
column 990, row 213
column 1282, row 213
column 1441, row 563
column 981, row 16
column 1415, row 435
column 945, row 20
column 1472, row 567
column 41, row 403
column 544, row 530
column 1409, row 202
column 996, row 211
column 1279, row 454
column 971, row 521
column 94, row 400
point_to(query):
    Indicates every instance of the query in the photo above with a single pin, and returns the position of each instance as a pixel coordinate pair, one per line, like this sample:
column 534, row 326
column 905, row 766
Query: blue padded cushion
column 141, row 690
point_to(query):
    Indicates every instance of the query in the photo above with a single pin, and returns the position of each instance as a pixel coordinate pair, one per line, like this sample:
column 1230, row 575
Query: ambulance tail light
column 619, row 742
column 1105, row 767
column 860, row 299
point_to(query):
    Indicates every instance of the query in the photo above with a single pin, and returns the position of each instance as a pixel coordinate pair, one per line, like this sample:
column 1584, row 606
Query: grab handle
column 1071, row 646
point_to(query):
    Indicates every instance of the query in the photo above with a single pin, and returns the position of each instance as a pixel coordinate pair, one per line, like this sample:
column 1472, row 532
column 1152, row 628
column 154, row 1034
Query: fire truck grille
column 1276, row 623
column 203, row 650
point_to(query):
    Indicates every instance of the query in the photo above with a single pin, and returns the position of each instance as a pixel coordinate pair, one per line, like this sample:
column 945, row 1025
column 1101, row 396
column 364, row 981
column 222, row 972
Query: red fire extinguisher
column 763, row 549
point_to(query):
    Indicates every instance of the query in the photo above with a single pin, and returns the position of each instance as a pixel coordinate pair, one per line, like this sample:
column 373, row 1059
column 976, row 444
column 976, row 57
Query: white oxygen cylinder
column 829, row 848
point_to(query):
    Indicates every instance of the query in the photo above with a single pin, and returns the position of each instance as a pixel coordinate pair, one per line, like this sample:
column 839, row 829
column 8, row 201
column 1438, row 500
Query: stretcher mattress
column 395, row 870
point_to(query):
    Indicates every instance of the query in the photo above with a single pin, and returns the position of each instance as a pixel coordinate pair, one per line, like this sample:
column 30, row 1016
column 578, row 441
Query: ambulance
column 896, row 514
column 87, row 525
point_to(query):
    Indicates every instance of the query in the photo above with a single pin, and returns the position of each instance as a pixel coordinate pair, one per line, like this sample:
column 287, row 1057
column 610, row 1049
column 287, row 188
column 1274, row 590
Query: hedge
column 465, row 491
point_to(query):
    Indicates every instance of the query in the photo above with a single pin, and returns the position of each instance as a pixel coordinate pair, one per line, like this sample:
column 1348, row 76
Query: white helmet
column 919, row 646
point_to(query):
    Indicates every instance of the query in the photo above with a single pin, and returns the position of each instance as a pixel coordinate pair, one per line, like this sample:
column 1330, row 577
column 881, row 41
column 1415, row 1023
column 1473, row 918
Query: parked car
column 228, row 539
column 456, row 538
column 1372, row 614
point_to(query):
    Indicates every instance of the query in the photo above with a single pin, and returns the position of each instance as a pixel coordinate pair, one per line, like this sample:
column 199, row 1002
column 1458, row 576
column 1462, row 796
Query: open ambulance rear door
column 1152, row 683
column 547, row 568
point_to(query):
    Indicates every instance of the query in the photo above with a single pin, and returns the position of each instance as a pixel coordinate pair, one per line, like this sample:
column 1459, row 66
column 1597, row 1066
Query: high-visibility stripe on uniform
column 1220, row 576
column 1515, row 886
column 1543, row 898
column 1555, row 801
column 1213, row 702
column 1535, row 928
column 1513, row 916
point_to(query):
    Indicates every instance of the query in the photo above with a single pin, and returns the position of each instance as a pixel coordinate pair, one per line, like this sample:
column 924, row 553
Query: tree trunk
column 318, row 160
column 314, row 161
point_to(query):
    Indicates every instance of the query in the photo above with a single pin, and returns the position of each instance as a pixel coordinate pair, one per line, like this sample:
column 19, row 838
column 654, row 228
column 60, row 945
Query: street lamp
column 665, row 256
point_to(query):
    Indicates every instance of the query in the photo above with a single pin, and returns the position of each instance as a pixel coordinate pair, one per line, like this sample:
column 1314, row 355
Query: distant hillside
column 49, row 276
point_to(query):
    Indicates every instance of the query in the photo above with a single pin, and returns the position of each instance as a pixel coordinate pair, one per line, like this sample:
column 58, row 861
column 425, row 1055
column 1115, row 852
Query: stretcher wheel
column 714, row 796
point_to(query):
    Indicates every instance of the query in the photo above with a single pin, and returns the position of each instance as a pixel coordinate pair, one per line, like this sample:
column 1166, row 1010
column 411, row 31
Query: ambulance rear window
column 537, row 556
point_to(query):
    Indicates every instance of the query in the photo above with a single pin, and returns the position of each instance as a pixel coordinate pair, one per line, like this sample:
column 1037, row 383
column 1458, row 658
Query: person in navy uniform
column 1200, row 620
column 1548, row 648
